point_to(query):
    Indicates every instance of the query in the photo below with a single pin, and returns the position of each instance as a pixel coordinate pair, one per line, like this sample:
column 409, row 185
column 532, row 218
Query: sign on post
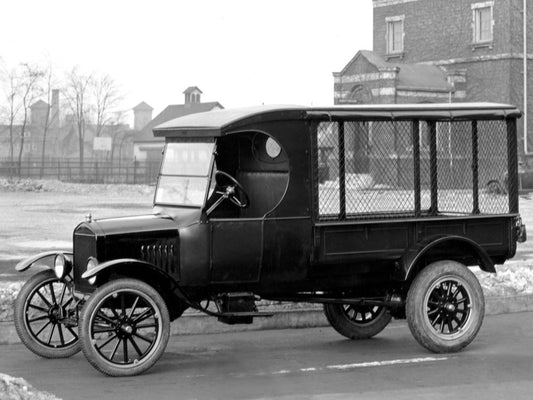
column 102, row 143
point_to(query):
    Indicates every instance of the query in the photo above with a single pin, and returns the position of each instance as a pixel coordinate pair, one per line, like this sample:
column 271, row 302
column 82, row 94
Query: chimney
column 38, row 112
column 142, row 115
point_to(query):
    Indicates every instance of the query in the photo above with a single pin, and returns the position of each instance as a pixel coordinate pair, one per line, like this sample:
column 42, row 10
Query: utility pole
column 525, row 75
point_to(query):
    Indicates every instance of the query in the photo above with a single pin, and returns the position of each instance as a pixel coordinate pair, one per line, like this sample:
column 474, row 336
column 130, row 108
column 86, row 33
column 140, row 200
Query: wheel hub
column 55, row 313
column 449, row 307
column 125, row 328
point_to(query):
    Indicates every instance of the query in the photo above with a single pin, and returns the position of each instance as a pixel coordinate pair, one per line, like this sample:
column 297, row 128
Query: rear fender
column 410, row 259
column 38, row 260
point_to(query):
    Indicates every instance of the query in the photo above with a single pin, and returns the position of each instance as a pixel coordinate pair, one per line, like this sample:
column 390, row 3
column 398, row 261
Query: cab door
column 236, row 250
column 238, row 244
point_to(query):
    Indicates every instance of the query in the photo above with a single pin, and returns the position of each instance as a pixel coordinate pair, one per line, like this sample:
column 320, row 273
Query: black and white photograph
column 282, row 200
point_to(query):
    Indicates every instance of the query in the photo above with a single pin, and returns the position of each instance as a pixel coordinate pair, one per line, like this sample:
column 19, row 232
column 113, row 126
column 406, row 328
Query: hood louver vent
column 162, row 255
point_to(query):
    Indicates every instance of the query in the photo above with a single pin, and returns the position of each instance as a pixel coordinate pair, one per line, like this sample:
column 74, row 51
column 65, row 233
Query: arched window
column 360, row 94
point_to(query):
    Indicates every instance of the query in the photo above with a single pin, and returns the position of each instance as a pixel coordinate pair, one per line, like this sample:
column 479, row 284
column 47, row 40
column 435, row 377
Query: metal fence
column 94, row 171
column 370, row 169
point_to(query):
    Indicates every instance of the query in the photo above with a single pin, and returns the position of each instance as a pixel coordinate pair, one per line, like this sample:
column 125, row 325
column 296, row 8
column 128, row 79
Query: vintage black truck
column 375, row 211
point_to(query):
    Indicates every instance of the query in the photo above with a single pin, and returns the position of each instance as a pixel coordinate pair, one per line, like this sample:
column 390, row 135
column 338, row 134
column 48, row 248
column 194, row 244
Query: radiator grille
column 84, row 247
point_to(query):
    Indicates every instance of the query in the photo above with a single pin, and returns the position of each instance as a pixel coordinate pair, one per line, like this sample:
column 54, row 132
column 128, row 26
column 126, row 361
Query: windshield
column 184, row 173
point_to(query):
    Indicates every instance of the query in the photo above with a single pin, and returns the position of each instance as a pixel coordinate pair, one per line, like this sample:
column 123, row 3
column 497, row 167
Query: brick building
column 439, row 51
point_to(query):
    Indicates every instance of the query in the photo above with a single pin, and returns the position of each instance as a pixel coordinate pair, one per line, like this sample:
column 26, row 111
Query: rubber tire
column 421, row 329
column 20, row 325
column 104, row 291
column 356, row 331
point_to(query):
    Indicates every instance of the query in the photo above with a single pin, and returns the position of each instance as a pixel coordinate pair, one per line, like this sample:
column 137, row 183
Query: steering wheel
column 232, row 191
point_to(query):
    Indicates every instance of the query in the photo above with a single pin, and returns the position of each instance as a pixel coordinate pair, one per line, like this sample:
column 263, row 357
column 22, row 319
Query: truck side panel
column 373, row 240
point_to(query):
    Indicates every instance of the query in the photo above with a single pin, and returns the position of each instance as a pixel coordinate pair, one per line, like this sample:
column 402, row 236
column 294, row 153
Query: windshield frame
column 208, row 177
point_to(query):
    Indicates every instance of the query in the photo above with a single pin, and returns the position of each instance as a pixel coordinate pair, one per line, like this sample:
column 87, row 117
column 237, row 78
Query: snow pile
column 18, row 389
column 510, row 280
column 21, row 185
column 44, row 185
column 8, row 292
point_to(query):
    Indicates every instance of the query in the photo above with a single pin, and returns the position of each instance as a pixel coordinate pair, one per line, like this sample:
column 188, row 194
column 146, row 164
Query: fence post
column 415, row 131
column 134, row 171
column 475, row 168
column 58, row 170
column 433, row 167
column 342, row 171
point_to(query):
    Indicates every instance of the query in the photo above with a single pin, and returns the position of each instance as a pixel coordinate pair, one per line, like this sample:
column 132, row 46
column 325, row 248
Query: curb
column 196, row 323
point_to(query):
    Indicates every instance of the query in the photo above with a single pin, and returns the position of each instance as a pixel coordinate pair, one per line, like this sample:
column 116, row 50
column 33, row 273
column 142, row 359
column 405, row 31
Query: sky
column 239, row 53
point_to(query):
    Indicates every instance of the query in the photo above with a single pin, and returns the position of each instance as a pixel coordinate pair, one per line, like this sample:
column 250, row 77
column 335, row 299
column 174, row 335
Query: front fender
column 122, row 262
column 416, row 253
column 34, row 260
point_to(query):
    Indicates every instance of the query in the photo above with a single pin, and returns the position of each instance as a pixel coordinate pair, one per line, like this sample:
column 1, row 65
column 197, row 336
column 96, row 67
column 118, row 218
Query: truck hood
column 140, row 224
column 128, row 225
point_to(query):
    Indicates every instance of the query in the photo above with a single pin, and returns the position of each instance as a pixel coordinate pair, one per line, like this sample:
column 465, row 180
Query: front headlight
column 62, row 266
column 92, row 263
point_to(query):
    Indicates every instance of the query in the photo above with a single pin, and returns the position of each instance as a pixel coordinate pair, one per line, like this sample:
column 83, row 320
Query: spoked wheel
column 355, row 321
column 124, row 328
column 46, row 316
column 445, row 307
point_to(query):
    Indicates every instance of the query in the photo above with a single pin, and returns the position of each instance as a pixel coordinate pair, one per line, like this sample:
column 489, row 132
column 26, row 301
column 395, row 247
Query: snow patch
column 46, row 244
column 20, row 389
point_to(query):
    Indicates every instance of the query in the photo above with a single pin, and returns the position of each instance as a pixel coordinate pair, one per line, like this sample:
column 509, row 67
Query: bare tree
column 51, row 113
column 29, row 92
column 121, row 135
column 11, row 92
column 106, row 98
column 78, row 97
column 117, row 131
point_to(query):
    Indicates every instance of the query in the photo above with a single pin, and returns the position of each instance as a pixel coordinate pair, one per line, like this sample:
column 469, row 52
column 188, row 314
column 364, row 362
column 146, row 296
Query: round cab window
column 273, row 149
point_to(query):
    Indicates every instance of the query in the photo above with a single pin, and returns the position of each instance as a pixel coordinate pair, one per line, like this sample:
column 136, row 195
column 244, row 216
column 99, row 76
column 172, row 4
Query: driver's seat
column 264, row 188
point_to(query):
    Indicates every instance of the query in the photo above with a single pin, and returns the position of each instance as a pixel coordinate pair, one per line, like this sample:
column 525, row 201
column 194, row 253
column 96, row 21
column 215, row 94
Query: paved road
column 306, row 363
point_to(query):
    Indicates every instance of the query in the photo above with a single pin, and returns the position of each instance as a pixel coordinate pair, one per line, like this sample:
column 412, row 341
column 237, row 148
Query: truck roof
column 220, row 122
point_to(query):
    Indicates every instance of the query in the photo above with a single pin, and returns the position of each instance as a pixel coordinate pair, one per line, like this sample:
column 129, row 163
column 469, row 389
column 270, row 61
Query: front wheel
column 124, row 327
column 445, row 307
column 355, row 321
column 45, row 314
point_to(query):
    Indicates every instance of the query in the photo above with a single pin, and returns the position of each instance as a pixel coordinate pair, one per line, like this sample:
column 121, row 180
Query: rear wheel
column 355, row 321
column 445, row 307
column 46, row 316
column 124, row 327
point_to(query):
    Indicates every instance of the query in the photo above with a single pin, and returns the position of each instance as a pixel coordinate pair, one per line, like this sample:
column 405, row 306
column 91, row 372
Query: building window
column 482, row 21
column 360, row 94
column 395, row 34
